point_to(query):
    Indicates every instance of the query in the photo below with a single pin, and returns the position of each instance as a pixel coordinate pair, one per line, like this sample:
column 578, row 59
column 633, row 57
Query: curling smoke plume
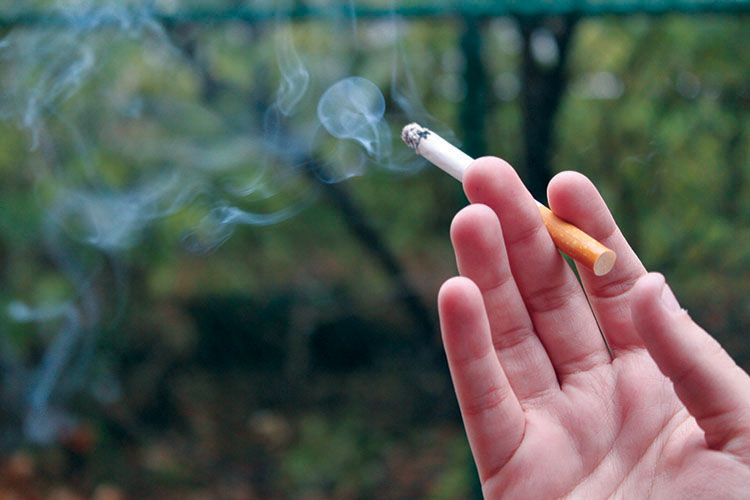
column 129, row 126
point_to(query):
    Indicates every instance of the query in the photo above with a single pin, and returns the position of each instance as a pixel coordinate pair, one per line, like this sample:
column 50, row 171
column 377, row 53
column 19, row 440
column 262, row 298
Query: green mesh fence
column 190, row 12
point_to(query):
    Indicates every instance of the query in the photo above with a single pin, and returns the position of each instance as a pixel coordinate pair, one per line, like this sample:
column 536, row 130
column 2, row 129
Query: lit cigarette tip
column 436, row 150
column 412, row 134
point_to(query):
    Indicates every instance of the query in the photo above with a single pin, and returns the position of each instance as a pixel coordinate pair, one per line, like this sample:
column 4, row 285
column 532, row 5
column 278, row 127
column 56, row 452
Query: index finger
column 493, row 417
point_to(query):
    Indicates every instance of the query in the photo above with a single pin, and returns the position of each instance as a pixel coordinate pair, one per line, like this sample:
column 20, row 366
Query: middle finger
column 554, row 299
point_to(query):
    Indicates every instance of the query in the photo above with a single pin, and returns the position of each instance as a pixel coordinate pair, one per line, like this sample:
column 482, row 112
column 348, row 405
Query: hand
column 548, row 412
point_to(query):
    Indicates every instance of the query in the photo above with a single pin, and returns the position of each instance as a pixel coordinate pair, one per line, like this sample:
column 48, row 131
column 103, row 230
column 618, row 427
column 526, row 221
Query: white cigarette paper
column 437, row 150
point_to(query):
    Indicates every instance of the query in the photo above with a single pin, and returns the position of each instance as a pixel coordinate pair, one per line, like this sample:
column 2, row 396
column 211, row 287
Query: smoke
column 43, row 423
column 294, row 76
column 353, row 108
column 130, row 123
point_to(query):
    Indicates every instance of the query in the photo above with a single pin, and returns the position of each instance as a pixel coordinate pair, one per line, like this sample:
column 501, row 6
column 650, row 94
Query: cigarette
column 568, row 238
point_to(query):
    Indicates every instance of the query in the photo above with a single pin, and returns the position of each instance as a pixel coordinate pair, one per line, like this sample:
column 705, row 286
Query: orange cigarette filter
column 578, row 245
column 572, row 241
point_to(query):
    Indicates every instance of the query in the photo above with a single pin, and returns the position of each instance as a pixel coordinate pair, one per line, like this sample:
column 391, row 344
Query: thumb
column 712, row 387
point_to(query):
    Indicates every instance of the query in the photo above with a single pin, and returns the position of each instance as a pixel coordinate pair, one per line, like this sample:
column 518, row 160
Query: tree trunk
column 542, row 89
column 473, row 112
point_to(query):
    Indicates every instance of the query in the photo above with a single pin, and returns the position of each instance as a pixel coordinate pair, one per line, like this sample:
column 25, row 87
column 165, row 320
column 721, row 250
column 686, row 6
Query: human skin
column 548, row 412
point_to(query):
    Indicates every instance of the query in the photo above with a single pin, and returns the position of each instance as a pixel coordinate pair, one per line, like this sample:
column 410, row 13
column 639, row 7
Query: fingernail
column 669, row 300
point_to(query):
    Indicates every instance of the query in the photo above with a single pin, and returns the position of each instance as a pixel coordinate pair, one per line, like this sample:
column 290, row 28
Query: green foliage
column 655, row 113
column 670, row 153
column 331, row 456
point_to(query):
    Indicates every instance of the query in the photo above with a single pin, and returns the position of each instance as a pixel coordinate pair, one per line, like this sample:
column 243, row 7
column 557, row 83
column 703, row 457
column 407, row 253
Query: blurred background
column 219, row 265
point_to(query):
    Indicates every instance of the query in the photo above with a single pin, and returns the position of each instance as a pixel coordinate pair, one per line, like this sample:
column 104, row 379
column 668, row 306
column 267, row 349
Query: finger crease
column 539, row 398
column 497, row 285
column 584, row 362
column 512, row 337
column 551, row 298
column 527, row 234
column 616, row 288
column 610, row 234
column 465, row 362
column 486, row 401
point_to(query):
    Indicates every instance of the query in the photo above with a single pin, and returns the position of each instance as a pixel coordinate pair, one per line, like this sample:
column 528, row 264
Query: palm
column 548, row 412
column 614, row 434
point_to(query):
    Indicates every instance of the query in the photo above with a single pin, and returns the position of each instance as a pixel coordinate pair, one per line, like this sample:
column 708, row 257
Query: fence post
column 473, row 111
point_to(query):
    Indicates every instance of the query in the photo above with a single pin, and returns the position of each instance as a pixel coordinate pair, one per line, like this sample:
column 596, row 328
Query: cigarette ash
column 413, row 133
